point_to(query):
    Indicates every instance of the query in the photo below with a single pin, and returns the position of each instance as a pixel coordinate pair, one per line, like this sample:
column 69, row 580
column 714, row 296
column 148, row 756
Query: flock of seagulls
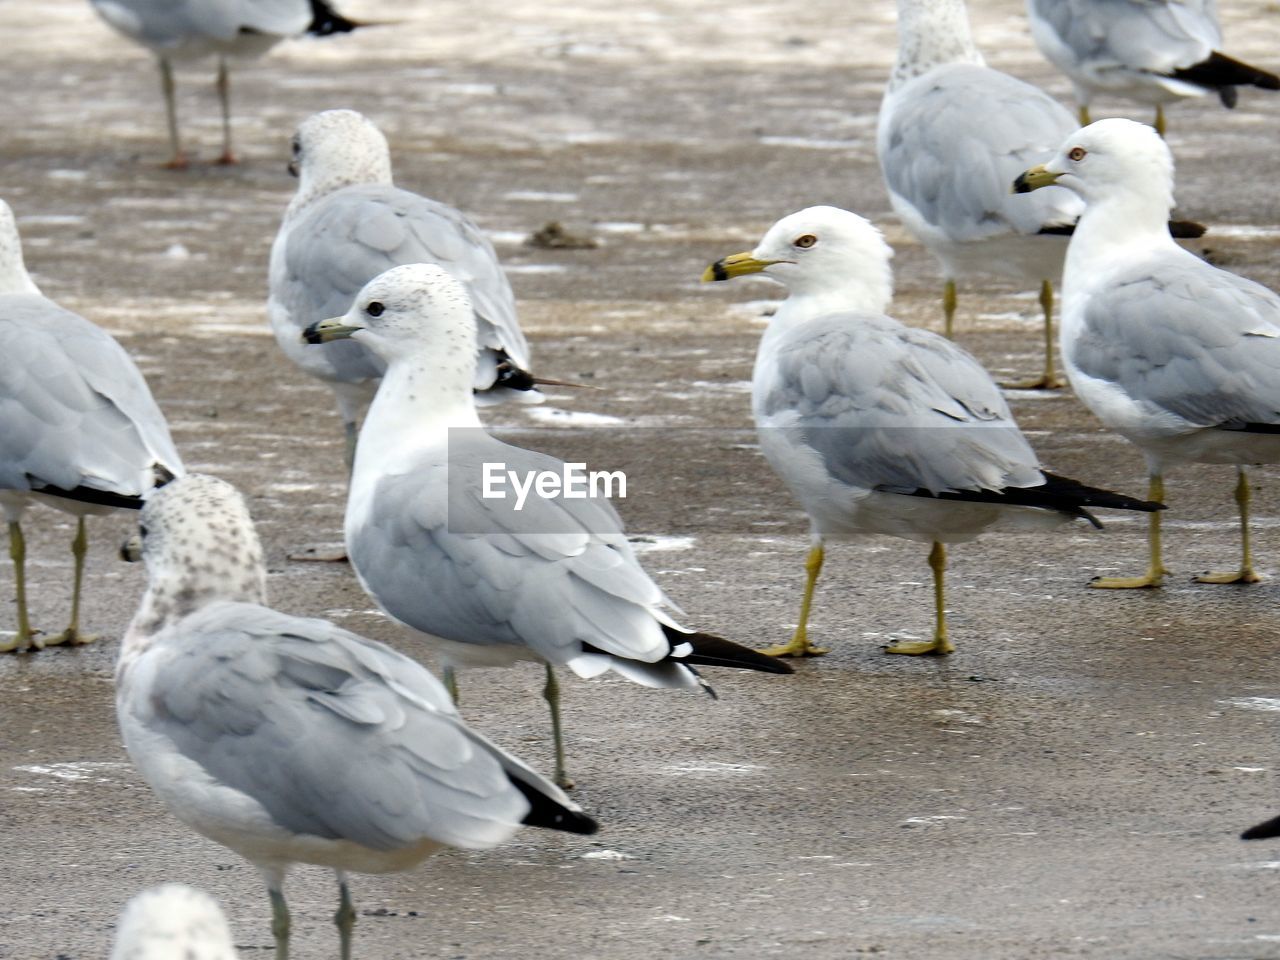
column 290, row 740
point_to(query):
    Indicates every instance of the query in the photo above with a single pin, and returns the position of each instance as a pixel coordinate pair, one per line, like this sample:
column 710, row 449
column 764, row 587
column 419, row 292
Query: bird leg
column 26, row 638
column 1246, row 573
column 1050, row 379
column 1156, row 570
column 179, row 159
column 1160, row 119
column 551, row 693
column 949, row 307
column 939, row 644
column 1084, row 115
column 279, row 923
column 349, row 454
column 345, row 917
column 799, row 645
column 224, row 96
column 72, row 635
column 451, row 682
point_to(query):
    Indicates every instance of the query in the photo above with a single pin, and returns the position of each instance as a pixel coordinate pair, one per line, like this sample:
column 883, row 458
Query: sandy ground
column 1070, row 783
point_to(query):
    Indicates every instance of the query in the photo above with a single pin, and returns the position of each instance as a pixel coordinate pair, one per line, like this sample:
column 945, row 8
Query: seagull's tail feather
column 1263, row 831
column 712, row 651
column 549, row 811
column 1223, row 74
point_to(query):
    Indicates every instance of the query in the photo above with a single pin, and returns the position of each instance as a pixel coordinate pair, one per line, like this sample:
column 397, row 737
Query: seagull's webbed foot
column 71, row 637
column 227, row 159
column 178, row 161
column 21, row 641
column 1046, row 381
column 797, row 646
column 1247, row 575
column 1149, row 580
column 938, row 646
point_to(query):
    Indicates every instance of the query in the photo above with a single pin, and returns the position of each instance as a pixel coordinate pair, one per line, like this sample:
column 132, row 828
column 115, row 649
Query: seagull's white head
column 13, row 271
column 173, row 920
column 199, row 544
column 408, row 311
column 821, row 251
column 1109, row 159
column 335, row 149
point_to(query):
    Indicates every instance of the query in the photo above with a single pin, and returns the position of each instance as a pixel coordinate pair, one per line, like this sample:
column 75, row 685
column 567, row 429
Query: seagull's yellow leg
column 280, row 923
column 799, row 645
column 1050, row 379
column 179, row 159
column 1084, row 115
column 1160, row 119
column 939, row 644
column 345, row 917
column 72, row 635
column 1154, row 576
column 451, row 683
column 949, row 307
column 26, row 637
column 551, row 693
column 1246, row 573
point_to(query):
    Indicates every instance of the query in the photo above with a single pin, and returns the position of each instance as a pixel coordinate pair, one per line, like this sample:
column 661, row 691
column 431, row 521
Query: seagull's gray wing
column 440, row 556
column 1181, row 337
column 351, row 236
column 894, row 408
column 1155, row 36
column 951, row 140
column 334, row 735
column 74, row 409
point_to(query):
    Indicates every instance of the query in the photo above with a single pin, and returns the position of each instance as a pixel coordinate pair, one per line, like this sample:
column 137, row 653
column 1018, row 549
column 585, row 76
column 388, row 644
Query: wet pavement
column 1070, row 783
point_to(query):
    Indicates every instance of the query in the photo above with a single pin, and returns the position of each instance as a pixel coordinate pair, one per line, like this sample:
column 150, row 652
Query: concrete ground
column 1070, row 783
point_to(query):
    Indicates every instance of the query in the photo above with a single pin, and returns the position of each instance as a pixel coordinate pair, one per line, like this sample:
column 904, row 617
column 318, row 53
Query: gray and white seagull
column 489, row 580
column 79, row 429
column 346, row 224
column 290, row 740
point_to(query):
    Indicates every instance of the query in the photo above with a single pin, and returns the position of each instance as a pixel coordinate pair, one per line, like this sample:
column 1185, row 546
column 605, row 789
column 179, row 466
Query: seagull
column 492, row 579
column 290, row 740
column 1179, row 357
column 173, row 922
column 180, row 30
column 951, row 133
column 79, row 429
column 880, row 428
column 347, row 224
column 1152, row 51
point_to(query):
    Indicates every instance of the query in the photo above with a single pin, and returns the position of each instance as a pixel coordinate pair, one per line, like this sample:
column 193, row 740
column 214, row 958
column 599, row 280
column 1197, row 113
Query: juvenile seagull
column 180, row 30
column 1179, row 357
column 173, row 922
column 1152, row 51
column 347, row 224
column 290, row 740
column 79, row 429
column 880, row 428
column 952, row 132
column 491, row 580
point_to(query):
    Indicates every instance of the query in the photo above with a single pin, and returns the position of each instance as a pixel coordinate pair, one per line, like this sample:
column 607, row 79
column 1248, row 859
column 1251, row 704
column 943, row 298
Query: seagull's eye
column 806, row 241
column 1078, row 153
column 142, row 530
column 296, row 146
column 374, row 309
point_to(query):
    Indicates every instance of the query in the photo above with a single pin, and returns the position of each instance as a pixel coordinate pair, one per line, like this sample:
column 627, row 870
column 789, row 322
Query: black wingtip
column 551, row 814
column 1223, row 74
column 1186, row 229
column 326, row 21
column 1263, row 831
column 511, row 376
column 101, row 498
column 712, row 651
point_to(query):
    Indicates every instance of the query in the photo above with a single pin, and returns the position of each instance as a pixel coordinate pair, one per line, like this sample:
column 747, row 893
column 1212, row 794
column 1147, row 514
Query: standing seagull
column 491, row 579
column 880, row 428
column 179, row 30
column 1179, row 357
column 347, row 224
column 1152, row 51
column 290, row 740
column 952, row 132
column 79, row 429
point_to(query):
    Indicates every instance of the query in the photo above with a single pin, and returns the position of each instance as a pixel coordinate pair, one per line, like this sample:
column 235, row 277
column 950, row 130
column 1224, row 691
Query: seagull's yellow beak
column 326, row 331
column 734, row 266
column 1035, row 178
